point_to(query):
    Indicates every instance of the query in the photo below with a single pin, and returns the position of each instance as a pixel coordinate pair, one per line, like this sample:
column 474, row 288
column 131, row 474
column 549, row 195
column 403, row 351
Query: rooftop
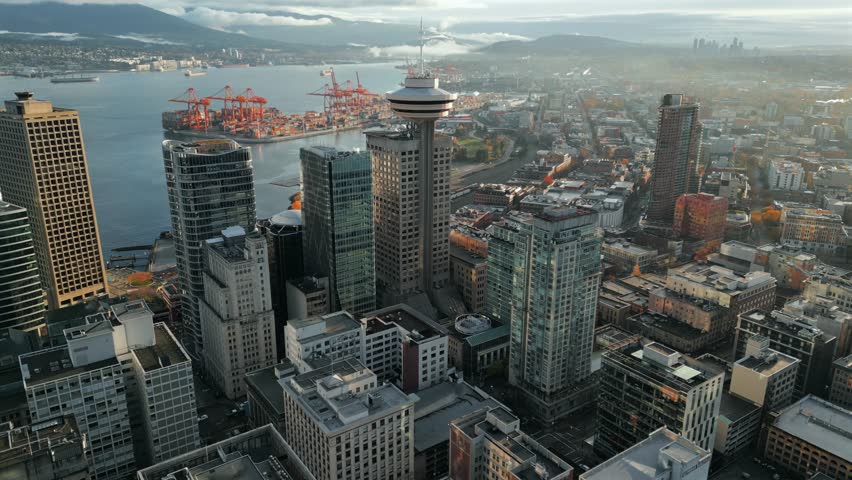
column 820, row 423
column 239, row 467
column 844, row 364
column 165, row 352
column 440, row 404
column 21, row 443
column 627, row 246
column 767, row 364
column 642, row 461
column 734, row 408
column 467, row 256
column 406, row 318
column 794, row 325
column 231, row 245
column 680, row 371
column 262, row 451
column 203, row 147
column 308, row 285
column 266, row 383
column 334, row 411
column 718, row 278
column 53, row 364
column 334, row 324
column 669, row 324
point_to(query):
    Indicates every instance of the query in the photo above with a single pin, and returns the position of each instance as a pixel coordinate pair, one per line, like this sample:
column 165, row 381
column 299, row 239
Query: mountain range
column 119, row 23
column 283, row 30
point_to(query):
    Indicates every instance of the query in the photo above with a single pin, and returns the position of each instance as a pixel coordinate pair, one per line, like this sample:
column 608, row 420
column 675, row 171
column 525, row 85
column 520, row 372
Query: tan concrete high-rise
column 403, row 264
column 43, row 169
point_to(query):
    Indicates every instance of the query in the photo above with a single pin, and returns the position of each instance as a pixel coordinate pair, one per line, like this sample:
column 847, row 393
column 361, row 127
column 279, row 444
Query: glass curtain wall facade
column 22, row 300
column 210, row 185
column 337, row 214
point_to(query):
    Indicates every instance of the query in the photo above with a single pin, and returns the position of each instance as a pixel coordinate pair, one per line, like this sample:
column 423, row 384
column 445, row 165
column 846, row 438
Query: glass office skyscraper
column 337, row 215
column 211, row 187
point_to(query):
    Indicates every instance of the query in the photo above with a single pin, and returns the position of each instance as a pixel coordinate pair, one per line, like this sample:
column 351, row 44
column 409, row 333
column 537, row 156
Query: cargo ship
column 72, row 79
column 245, row 117
column 190, row 73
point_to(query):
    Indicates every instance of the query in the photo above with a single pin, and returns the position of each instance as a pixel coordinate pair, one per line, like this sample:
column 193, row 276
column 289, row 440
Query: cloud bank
column 222, row 19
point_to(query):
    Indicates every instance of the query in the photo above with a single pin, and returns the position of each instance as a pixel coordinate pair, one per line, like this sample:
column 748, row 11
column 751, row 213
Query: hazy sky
column 457, row 11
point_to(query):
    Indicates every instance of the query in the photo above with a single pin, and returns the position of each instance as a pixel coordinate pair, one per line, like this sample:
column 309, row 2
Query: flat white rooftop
column 641, row 461
column 820, row 423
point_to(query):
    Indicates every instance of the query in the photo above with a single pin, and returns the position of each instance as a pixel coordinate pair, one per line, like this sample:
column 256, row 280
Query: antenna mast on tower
column 422, row 68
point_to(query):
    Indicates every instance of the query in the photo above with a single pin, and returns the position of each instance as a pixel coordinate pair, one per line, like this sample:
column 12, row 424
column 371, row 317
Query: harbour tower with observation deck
column 421, row 102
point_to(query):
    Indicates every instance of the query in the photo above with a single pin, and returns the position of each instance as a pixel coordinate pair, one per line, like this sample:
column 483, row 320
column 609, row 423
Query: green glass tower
column 337, row 217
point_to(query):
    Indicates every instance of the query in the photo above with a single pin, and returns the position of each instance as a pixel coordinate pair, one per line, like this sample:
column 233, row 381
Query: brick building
column 701, row 216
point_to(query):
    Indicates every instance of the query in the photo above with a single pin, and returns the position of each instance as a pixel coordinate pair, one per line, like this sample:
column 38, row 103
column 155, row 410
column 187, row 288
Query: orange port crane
column 196, row 109
column 361, row 94
column 229, row 108
column 335, row 99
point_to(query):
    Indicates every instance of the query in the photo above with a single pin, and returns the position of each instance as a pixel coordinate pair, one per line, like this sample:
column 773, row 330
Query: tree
column 481, row 155
column 140, row 279
column 771, row 216
column 636, row 271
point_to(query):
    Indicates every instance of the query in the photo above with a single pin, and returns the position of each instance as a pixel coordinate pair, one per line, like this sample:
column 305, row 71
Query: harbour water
column 123, row 135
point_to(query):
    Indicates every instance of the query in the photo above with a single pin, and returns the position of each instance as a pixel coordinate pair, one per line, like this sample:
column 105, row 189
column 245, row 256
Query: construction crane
column 196, row 109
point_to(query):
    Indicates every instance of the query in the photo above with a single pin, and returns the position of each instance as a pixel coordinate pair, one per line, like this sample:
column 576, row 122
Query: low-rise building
column 496, row 194
column 664, row 455
column 669, row 331
column 784, row 175
column 841, row 383
column 789, row 265
column 734, row 255
column 469, row 273
column 811, row 436
column 50, row 450
column 436, row 407
column 259, row 454
column 612, row 310
column 476, row 343
column 764, row 376
column 737, row 425
column 709, row 318
column 343, row 424
column 793, row 335
column 405, row 347
column 627, row 255
column 635, row 379
column 490, row 444
column 833, row 283
column 265, row 395
column 333, row 336
column 307, row 297
column 721, row 286
column 820, row 232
